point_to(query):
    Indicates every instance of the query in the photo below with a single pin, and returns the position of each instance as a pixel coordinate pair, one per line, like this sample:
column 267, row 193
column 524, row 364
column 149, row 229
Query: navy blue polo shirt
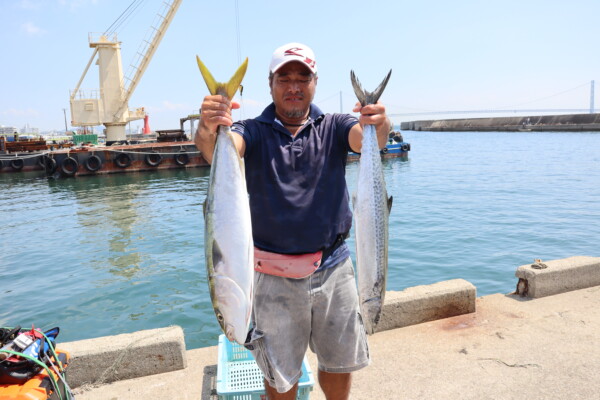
column 297, row 187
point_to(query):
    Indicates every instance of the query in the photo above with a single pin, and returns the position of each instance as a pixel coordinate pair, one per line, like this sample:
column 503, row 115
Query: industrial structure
column 109, row 105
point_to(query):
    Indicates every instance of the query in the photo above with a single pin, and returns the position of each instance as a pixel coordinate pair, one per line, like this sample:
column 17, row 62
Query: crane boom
column 110, row 105
column 152, row 45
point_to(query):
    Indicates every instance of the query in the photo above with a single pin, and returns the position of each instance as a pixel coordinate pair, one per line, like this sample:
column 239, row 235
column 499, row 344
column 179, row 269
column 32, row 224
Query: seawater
column 104, row 255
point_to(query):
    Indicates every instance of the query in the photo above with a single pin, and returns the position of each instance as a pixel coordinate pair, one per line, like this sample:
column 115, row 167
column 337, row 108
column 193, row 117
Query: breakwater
column 566, row 122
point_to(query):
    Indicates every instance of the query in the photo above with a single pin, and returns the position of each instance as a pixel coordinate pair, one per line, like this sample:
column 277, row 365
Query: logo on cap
column 294, row 52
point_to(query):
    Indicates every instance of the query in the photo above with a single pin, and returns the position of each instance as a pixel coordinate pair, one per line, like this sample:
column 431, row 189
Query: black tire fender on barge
column 93, row 163
column 123, row 160
column 69, row 166
column 153, row 159
column 42, row 161
column 49, row 165
column 181, row 158
column 17, row 164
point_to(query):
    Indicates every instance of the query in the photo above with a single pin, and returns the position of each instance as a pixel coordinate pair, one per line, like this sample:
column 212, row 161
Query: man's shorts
column 291, row 314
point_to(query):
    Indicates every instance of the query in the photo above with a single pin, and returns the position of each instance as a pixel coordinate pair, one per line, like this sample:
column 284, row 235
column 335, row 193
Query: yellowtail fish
column 228, row 245
column 371, row 215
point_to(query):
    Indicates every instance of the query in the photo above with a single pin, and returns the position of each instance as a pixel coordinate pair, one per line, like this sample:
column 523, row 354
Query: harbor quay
column 436, row 341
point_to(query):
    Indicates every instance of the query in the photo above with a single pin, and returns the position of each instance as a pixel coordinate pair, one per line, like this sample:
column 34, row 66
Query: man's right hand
column 214, row 111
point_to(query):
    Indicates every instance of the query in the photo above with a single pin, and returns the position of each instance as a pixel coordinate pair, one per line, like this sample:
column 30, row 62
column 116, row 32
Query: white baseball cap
column 293, row 52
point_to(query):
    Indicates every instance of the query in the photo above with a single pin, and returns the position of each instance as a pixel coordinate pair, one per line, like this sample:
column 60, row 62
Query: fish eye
column 220, row 317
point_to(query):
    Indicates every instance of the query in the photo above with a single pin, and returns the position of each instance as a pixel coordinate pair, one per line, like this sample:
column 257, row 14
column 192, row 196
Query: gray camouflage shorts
column 291, row 314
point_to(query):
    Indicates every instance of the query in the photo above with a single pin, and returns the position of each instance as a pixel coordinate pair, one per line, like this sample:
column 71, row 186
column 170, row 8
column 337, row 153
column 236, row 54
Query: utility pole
column 592, row 98
column 65, row 113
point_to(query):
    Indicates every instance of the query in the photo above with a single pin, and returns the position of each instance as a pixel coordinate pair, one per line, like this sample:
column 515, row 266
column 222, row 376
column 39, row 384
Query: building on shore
column 8, row 130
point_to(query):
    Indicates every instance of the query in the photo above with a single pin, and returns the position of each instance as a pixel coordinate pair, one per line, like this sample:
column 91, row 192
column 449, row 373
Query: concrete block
column 112, row 358
column 558, row 276
column 419, row 304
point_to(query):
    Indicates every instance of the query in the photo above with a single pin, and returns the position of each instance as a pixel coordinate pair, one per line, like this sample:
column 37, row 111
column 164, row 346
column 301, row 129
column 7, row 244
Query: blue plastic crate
column 239, row 378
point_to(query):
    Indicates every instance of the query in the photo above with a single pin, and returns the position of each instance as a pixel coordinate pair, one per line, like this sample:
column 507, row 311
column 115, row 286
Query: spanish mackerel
column 228, row 245
column 371, row 214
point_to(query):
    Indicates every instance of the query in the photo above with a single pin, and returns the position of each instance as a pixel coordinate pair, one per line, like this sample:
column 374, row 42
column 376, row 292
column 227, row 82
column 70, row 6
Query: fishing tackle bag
column 15, row 369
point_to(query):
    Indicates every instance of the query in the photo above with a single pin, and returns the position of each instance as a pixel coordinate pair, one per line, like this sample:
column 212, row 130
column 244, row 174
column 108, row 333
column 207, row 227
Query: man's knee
column 336, row 386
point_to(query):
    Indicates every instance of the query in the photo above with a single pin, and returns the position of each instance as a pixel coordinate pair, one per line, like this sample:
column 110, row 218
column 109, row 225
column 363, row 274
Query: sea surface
column 105, row 255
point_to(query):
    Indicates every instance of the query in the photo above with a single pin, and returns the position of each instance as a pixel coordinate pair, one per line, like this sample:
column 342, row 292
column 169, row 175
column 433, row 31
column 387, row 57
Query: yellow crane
column 108, row 105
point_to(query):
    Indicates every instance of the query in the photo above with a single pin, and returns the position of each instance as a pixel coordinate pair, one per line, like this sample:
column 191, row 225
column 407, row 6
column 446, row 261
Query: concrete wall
column 425, row 303
column 548, row 278
column 113, row 358
column 566, row 122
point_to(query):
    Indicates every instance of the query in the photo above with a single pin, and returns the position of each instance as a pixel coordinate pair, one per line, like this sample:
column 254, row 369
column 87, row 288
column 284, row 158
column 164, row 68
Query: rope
column 61, row 371
column 112, row 370
column 239, row 53
column 151, row 152
column 68, row 390
column 51, row 349
column 17, row 156
column 98, row 149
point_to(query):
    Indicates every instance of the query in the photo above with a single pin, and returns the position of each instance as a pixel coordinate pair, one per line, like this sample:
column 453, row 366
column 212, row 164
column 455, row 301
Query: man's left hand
column 372, row 114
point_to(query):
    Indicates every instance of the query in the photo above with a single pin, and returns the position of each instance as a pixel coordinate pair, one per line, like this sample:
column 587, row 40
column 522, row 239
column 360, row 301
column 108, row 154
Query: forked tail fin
column 365, row 97
column 225, row 89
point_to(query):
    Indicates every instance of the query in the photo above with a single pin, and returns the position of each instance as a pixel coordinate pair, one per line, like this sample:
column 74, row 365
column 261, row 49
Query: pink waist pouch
column 295, row 266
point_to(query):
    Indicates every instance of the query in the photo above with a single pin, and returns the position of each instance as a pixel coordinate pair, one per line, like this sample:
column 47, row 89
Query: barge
column 122, row 158
column 23, row 155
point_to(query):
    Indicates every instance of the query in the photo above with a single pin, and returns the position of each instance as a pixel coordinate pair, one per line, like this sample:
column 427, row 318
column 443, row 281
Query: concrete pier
column 558, row 276
column 502, row 346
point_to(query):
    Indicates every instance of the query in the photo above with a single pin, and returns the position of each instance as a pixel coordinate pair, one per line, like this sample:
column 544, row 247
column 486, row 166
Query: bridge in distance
column 507, row 111
column 504, row 111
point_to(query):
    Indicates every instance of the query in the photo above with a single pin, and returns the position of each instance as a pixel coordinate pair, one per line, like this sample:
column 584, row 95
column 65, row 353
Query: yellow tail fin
column 225, row 89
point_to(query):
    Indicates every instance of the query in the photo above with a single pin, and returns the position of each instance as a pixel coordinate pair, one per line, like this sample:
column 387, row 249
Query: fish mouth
column 230, row 333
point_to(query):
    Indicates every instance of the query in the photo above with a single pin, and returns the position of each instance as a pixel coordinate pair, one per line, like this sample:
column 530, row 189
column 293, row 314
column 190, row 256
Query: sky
column 444, row 55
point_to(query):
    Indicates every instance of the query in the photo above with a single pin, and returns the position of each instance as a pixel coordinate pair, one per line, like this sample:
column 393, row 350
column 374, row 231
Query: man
column 295, row 159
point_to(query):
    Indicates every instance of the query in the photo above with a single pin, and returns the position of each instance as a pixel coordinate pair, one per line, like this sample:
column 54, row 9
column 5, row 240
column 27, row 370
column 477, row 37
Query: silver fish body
column 229, row 247
column 371, row 215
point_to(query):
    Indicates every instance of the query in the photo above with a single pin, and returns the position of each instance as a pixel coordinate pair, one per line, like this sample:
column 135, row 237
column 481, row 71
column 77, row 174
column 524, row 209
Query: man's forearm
column 383, row 132
column 205, row 142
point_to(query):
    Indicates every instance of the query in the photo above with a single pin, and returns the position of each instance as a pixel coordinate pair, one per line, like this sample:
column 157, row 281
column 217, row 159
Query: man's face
column 293, row 89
